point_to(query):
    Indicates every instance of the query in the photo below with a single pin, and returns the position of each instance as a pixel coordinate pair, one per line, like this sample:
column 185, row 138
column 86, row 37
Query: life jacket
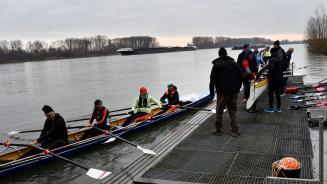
column 171, row 93
column 102, row 116
column 143, row 102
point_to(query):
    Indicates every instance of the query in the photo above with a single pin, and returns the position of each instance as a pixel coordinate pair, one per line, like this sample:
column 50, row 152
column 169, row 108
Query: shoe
column 235, row 134
column 277, row 110
column 217, row 133
column 245, row 100
column 268, row 110
column 282, row 94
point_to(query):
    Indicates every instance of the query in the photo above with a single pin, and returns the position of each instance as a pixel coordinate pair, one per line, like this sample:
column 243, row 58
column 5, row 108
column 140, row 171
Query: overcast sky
column 173, row 22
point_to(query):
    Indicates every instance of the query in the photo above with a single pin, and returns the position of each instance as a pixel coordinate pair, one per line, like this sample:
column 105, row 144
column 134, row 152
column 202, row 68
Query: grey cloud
column 51, row 19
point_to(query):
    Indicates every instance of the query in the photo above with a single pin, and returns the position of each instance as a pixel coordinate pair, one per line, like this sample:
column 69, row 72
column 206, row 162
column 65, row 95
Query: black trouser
column 132, row 117
column 246, row 88
column 274, row 88
column 94, row 132
column 283, row 85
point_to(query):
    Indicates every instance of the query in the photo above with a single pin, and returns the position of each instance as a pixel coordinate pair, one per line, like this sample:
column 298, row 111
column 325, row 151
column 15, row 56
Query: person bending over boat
column 250, row 70
column 226, row 76
column 173, row 99
column 101, row 115
column 275, row 75
column 54, row 133
column 141, row 108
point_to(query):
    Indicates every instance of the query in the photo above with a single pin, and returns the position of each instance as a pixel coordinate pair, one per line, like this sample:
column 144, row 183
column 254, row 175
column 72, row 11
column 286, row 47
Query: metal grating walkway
column 265, row 137
column 145, row 162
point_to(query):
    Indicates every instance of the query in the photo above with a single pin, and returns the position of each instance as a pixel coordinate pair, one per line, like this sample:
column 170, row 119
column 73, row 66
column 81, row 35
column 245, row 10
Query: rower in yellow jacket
column 141, row 108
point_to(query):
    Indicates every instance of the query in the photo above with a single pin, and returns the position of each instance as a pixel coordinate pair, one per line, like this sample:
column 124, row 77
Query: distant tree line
column 316, row 31
column 205, row 42
column 16, row 50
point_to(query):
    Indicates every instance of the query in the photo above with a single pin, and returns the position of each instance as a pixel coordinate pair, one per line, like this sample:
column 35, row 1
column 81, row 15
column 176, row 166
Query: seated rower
column 54, row 133
column 173, row 99
column 101, row 115
column 141, row 108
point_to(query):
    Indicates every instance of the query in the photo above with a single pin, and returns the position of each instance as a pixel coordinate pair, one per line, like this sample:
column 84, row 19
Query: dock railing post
column 321, row 148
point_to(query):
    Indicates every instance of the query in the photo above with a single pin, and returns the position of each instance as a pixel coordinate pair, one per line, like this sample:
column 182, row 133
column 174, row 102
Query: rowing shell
column 256, row 89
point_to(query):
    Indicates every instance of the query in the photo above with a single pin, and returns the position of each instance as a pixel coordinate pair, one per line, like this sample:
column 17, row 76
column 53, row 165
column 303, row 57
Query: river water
column 70, row 87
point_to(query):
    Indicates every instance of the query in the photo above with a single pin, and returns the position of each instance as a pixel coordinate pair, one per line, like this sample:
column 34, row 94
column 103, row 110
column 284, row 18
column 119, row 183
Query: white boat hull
column 256, row 89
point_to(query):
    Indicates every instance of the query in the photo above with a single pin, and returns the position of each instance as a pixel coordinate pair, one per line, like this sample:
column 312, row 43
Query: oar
column 307, row 95
column 200, row 109
column 146, row 151
column 29, row 131
column 298, row 107
column 310, row 99
column 69, row 127
column 83, row 119
column 94, row 173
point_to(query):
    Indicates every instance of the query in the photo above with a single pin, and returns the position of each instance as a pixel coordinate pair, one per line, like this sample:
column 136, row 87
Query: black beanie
column 46, row 109
column 245, row 46
column 97, row 102
column 277, row 43
column 222, row 51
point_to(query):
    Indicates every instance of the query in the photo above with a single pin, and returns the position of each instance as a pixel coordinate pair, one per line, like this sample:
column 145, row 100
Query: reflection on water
column 71, row 86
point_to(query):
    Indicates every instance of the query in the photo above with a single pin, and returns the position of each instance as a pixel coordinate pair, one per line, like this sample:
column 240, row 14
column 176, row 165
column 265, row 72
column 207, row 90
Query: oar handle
column 194, row 108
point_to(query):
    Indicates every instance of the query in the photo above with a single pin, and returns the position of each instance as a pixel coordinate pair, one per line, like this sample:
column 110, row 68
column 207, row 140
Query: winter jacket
column 54, row 131
column 275, row 70
column 226, row 76
column 102, row 118
column 144, row 104
column 172, row 96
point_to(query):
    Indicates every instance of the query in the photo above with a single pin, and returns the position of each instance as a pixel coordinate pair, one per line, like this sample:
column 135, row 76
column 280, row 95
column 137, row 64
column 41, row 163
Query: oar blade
column 13, row 132
column 112, row 139
column 213, row 111
column 146, row 151
column 97, row 174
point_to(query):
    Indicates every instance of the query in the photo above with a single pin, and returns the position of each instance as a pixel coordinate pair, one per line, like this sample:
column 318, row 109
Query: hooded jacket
column 172, row 96
column 226, row 76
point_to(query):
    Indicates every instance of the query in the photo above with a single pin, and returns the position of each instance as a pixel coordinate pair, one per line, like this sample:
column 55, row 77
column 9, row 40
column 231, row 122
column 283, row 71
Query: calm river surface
column 71, row 86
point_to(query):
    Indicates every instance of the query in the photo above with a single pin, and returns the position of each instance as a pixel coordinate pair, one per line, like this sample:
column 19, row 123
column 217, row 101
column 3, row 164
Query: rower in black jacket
column 173, row 98
column 54, row 133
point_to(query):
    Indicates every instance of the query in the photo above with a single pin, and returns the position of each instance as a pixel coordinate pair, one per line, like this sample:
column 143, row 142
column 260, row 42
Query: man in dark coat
column 275, row 74
column 281, row 54
column 226, row 77
column 54, row 133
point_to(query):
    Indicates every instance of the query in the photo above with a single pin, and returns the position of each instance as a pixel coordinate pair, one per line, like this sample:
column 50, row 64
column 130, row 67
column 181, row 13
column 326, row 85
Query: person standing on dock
column 54, row 133
column 282, row 56
column 240, row 59
column 265, row 54
column 275, row 75
column 141, row 109
column 226, row 76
